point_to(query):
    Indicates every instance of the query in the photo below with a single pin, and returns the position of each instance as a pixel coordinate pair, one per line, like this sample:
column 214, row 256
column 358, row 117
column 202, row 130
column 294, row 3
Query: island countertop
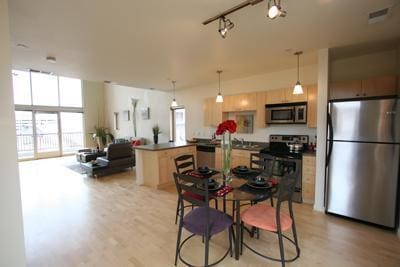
column 164, row 146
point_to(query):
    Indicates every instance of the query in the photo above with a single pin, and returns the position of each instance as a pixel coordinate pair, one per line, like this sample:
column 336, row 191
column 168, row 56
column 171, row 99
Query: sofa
column 118, row 158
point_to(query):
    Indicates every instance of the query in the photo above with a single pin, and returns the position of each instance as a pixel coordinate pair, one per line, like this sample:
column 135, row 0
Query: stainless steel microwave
column 290, row 113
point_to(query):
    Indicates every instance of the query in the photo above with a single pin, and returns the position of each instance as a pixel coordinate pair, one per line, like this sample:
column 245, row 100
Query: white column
column 12, row 251
column 323, row 76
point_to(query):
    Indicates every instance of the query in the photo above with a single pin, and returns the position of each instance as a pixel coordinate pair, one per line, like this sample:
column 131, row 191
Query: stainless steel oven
column 293, row 113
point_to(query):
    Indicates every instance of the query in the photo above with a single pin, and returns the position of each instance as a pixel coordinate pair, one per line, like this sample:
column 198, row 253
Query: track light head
column 275, row 9
column 224, row 26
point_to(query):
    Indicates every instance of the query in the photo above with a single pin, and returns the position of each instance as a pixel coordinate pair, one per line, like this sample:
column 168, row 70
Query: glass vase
column 226, row 156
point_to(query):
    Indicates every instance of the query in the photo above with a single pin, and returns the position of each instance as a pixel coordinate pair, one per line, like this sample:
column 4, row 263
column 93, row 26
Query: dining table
column 241, row 193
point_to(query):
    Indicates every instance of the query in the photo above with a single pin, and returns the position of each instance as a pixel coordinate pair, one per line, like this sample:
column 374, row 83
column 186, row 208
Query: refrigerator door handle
column 330, row 140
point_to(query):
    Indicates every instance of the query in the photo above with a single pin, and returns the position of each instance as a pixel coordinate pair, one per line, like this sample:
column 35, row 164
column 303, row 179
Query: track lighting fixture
column 174, row 103
column 224, row 26
column 275, row 9
column 219, row 98
column 298, row 89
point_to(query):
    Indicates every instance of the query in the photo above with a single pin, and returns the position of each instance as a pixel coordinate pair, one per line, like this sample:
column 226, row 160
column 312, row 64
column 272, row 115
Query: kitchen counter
column 155, row 163
column 163, row 146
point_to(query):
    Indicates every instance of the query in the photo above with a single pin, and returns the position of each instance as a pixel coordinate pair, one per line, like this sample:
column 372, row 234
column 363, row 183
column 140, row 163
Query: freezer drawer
column 362, row 181
column 367, row 120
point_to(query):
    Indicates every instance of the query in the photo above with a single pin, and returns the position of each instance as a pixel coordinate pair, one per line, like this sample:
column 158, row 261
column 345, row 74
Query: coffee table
column 94, row 169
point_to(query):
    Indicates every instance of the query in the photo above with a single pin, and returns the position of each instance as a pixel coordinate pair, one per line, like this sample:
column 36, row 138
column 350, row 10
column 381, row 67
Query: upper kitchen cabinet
column 312, row 93
column 241, row 102
column 343, row 90
column 212, row 112
column 279, row 96
column 378, row 86
column 260, row 111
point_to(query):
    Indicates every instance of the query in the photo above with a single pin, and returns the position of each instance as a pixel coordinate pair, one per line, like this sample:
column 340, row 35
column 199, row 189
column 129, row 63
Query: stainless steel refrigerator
column 363, row 149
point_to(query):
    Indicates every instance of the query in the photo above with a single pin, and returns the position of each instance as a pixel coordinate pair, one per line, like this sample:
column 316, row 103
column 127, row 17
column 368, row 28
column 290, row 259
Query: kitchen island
column 155, row 163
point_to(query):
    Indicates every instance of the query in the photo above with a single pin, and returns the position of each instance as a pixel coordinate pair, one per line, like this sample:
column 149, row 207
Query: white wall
column 193, row 98
column 364, row 66
column 117, row 98
column 93, row 106
column 12, row 251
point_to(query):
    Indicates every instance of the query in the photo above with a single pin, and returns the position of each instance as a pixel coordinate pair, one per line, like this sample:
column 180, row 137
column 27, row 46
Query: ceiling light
column 174, row 103
column 51, row 59
column 224, row 26
column 275, row 9
column 219, row 98
column 298, row 89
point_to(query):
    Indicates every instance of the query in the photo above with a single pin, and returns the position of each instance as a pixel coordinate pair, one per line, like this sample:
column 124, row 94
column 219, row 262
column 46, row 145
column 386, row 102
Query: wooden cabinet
column 166, row 164
column 378, row 86
column 290, row 97
column 312, row 95
column 155, row 168
column 279, row 96
column 260, row 111
column 308, row 178
column 238, row 157
column 241, row 102
column 212, row 112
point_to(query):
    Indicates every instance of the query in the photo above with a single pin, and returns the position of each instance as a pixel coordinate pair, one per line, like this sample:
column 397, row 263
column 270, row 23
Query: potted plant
column 156, row 132
column 100, row 136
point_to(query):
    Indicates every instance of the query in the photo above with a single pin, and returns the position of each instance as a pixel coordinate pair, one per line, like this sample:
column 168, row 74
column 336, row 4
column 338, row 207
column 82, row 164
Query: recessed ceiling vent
column 378, row 16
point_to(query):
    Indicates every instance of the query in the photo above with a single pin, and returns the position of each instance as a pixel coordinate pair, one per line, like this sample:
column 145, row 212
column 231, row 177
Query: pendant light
column 174, row 103
column 219, row 98
column 298, row 89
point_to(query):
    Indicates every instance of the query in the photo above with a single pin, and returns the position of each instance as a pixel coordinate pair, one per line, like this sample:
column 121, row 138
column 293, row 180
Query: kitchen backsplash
column 261, row 135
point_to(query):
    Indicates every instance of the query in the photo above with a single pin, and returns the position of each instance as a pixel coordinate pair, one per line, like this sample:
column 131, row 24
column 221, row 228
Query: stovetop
column 278, row 145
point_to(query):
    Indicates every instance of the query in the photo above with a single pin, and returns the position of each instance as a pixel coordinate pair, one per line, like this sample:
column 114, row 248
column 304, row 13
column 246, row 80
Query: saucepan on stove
column 295, row 146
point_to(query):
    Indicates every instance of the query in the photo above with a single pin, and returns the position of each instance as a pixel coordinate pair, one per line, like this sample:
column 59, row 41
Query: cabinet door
column 165, row 171
column 276, row 96
column 343, row 90
column 246, row 102
column 308, row 179
column 260, row 110
column 218, row 158
column 216, row 116
column 227, row 105
column 312, row 93
column 212, row 112
column 290, row 97
column 206, row 112
column 380, row 86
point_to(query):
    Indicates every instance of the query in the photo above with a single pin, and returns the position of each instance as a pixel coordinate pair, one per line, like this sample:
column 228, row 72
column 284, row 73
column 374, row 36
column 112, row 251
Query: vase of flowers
column 225, row 129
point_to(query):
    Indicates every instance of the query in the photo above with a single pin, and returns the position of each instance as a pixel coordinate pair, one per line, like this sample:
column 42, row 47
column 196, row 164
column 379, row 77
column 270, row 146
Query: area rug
column 76, row 167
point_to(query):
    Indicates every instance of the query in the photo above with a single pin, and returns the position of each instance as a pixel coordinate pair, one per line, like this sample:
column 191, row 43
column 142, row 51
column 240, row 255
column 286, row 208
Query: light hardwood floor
column 73, row 220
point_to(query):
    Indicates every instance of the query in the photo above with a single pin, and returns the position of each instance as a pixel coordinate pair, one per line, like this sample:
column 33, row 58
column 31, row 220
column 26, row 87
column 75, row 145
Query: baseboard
column 318, row 208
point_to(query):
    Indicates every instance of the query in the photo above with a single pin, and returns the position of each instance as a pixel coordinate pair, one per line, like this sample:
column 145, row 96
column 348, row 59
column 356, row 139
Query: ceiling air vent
column 378, row 16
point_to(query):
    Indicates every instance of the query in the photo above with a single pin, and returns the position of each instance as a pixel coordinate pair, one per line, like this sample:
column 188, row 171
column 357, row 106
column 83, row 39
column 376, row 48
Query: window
column 49, row 114
column 70, row 92
column 178, row 125
column 24, row 125
column 22, row 87
column 44, row 89
column 71, row 131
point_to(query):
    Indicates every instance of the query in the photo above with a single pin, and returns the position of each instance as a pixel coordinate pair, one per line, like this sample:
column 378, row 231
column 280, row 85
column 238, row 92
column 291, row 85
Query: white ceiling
column 143, row 43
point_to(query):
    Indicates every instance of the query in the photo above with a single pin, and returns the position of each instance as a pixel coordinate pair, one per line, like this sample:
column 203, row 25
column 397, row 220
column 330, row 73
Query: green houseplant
column 101, row 135
column 156, row 132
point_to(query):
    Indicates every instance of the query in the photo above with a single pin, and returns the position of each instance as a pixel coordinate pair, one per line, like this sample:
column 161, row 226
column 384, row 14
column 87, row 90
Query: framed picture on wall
column 145, row 113
column 126, row 115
